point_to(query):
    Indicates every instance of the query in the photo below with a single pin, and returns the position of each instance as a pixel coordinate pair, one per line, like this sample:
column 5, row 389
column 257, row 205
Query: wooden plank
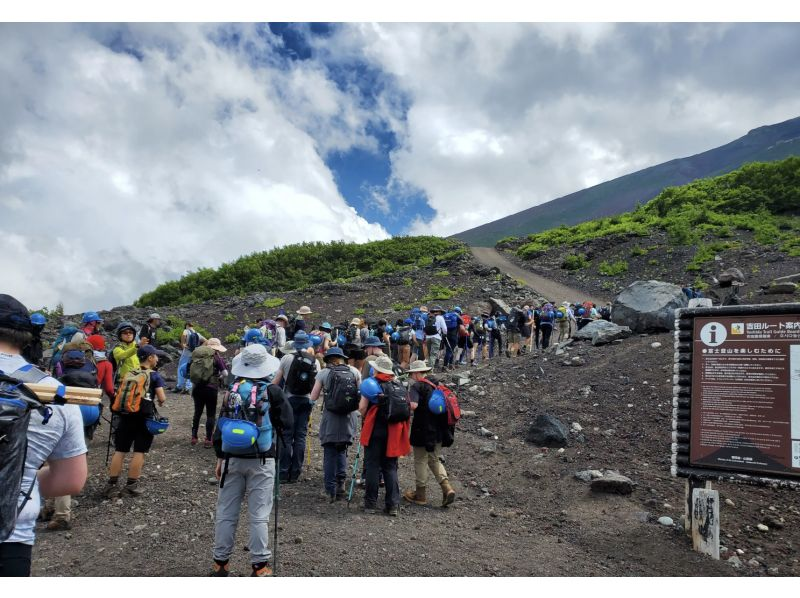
column 691, row 484
column 73, row 395
column 705, row 522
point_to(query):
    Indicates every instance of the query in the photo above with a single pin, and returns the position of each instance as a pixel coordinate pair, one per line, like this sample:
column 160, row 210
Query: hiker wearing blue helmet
column 454, row 323
column 34, row 352
column 298, row 372
column 435, row 331
column 91, row 323
column 339, row 383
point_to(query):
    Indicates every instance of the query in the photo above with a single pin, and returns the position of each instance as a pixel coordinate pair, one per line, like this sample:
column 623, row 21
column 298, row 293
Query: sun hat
column 254, row 362
column 282, row 317
column 304, row 310
column 333, row 352
column 215, row 344
column 122, row 326
column 418, row 366
column 437, row 308
column 326, row 326
column 301, row 340
column 14, row 315
column 383, row 365
column 423, row 308
column 373, row 341
column 154, row 316
column 356, row 321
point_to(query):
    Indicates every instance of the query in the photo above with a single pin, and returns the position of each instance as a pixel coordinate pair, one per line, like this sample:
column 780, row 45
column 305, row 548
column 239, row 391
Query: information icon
column 713, row 334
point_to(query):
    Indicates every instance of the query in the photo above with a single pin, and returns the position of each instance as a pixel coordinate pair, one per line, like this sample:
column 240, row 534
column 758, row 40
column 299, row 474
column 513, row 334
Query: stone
column 213, row 481
column 138, row 528
column 666, row 521
column 499, row 305
column 463, row 381
column 791, row 278
column 735, row 562
column 583, row 476
column 487, row 449
column 576, row 427
column 484, row 432
column 781, row 288
column 655, row 345
column 468, row 414
column 753, row 563
column 762, row 528
column 729, row 502
column 648, row 306
column 603, row 330
column 548, row 431
column 700, row 302
column 612, row 483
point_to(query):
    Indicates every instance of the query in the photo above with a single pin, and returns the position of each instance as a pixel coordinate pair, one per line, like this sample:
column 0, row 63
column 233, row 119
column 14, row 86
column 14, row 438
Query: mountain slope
column 765, row 144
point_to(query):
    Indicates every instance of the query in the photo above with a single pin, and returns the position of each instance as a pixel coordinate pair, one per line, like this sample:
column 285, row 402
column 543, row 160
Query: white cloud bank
column 117, row 174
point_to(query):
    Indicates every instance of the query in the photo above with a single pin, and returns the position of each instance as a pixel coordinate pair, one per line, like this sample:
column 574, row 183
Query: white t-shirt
column 60, row 438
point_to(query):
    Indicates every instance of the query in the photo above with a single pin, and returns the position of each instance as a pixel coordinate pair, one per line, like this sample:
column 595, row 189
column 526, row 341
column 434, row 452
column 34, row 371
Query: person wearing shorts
column 131, row 429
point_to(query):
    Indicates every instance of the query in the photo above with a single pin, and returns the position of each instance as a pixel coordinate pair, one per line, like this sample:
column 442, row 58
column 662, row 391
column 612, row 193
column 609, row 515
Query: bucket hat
column 282, row 317
column 254, row 362
column 304, row 310
column 418, row 366
column 437, row 309
column 301, row 340
column 215, row 344
column 356, row 322
column 333, row 352
column 383, row 365
column 373, row 341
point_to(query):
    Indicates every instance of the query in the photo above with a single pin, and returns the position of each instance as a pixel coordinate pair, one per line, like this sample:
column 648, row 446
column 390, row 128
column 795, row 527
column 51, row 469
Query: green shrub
column 177, row 327
column 574, row 261
column 612, row 268
column 407, row 282
column 637, row 251
column 232, row 338
column 531, row 250
column 653, row 262
column 442, row 273
column 359, row 311
column 440, row 293
column 401, row 306
column 273, row 303
column 228, row 317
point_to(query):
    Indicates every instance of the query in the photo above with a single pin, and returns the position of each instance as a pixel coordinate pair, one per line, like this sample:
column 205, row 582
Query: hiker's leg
column 301, row 415
column 421, row 466
column 199, row 404
column 435, row 464
column 229, row 505
column 62, row 506
column 183, row 375
column 210, row 405
column 15, row 559
column 329, row 466
column 392, row 488
column 286, row 452
column 372, row 463
column 136, row 466
column 260, row 483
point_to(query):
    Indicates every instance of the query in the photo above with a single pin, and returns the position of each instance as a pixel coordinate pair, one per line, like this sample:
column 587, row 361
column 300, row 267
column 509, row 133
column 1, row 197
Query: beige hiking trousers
column 424, row 461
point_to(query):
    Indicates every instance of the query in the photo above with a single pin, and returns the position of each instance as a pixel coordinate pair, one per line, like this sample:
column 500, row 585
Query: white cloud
column 133, row 172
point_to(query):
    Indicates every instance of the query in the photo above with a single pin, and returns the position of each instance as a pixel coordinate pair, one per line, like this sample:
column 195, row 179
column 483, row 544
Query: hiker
column 139, row 389
column 384, row 435
column 356, row 356
column 298, row 371
column 465, row 345
column 248, row 468
column 406, row 339
column 282, row 322
column 605, row 311
column 299, row 321
column 536, row 314
column 55, row 457
column 420, row 321
column 516, row 321
column 527, row 328
column 190, row 340
column 147, row 335
column 547, row 319
column 374, row 349
column 208, row 369
column 429, row 433
column 34, row 352
column 91, row 323
column 453, row 323
column 125, row 353
column 68, row 330
column 435, row 330
column 340, row 383
column 105, row 371
column 478, row 332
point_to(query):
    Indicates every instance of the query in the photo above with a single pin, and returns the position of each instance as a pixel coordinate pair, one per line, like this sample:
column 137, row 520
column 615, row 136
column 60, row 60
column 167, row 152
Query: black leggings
column 205, row 397
column 15, row 559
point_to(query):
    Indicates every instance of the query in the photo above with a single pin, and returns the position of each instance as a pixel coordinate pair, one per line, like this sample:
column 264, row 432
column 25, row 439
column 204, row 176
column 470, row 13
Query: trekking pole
column 110, row 432
column 276, row 501
column 355, row 470
column 309, row 435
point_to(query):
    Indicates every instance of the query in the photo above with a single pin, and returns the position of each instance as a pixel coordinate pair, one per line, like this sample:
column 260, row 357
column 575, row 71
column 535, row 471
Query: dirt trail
column 548, row 288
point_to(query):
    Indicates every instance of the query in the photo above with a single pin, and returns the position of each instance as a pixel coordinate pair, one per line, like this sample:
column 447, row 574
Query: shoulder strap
column 29, row 373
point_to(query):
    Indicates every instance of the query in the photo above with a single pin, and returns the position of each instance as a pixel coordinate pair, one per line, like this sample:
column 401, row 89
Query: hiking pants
column 433, row 349
column 495, row 337
column 183, row 376
column 424, row 461
column 294, row 447
column 451, row 342
column 257, row 479
column 378, row 463
column 547, row 330
column 15, row 559
column 563, row 330
column 479, row 342
column 204, row 397
column 539, row 332
column 334, row 465
column 62, row 508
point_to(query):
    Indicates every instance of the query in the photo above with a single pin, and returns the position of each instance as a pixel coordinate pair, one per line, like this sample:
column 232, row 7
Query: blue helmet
column 581, row 311
column 90, row 414
column 408, row 321
column 91, row 316
column 371, row 389
column 38, row 319
column 326, row 326
column 395, row 336
column 316, row 340
column 253, row 336
column 457, row 309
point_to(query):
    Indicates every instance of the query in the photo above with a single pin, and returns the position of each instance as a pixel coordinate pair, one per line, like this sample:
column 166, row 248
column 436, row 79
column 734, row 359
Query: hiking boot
column 220, row 569
column 370, row 509
column 448, row 494
column 392, row 511
column 261, row 570
column 111, row 491
column 58, row 525
column 194, row 440
column 416, row 496
column 134, row 489
column 340, row 492
column 46, row 514
column 208, row 444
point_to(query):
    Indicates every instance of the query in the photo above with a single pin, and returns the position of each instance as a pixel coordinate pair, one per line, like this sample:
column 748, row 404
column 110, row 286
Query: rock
column 609, row 330
column 499, row 305
column 576, row 362
column 468, row 414
column 666, row 521
column 729, row 502
column 583, row 476
column 213, row 481
column 648, row 306
column 138, row 528
column 612, row 483
column 655, row 345
column 298, row 540
column 735, row 562
column 762, row 528
column 484, row 432
column 791, row 278
column 753, row 563
column 463, row 381
column 548, row 431
column 487, row 449
column 576, row 427
column 781, row 288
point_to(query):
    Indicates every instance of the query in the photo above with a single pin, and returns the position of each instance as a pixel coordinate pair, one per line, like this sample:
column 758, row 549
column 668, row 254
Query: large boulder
column 601, row 332
column 781, row 288
column 648, row 306
column 499, row 305
column 548, row 431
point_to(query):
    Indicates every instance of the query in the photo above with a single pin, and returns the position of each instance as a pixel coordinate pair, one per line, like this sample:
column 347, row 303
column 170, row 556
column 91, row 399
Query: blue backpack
column 64, row 336
column 244, row 422
column 451, row 320
column 547, row 316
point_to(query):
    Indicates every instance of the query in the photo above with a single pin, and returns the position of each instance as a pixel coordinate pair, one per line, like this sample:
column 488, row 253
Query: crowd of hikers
column 373, row 383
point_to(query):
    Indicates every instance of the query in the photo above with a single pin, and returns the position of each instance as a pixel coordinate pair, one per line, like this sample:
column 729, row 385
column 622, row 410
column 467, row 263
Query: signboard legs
column 705, row 522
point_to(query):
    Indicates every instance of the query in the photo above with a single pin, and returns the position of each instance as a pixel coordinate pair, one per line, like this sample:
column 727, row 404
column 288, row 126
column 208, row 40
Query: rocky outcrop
column 548, row 431
column 601, row 332
column 648, row 306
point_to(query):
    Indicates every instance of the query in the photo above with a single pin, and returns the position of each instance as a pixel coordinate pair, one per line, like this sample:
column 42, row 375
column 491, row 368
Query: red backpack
column 451, row 401
column 467, row 320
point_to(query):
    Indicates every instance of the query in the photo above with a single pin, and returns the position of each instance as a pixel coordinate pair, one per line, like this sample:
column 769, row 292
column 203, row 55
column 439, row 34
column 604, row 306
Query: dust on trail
column 547, row 288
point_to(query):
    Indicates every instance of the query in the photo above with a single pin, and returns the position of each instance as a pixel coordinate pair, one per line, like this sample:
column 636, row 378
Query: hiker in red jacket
column 105, row 372
column 383, row 441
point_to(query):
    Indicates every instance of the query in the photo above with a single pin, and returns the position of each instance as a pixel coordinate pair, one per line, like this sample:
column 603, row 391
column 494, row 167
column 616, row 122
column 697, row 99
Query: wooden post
column 691, row 484
column 705, row 522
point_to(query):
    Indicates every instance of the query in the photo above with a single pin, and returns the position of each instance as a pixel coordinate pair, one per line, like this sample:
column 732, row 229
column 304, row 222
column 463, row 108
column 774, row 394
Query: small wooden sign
column 705, row 522
column 74, row 395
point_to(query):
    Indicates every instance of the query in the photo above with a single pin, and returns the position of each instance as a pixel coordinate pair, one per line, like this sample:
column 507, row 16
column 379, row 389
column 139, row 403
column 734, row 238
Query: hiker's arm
column 120, row 353
column 316, row 390
column 184, row 339
column 160, row 395
column 413, row 398
column 63, row 477
column 363, row 405
column 278, row 376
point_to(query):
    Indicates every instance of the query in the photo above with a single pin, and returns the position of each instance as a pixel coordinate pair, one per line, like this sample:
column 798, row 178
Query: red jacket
column 397, row 444
column 105, row 377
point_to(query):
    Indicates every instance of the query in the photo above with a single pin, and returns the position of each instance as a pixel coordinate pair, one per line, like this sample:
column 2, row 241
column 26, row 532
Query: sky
column 131, row 154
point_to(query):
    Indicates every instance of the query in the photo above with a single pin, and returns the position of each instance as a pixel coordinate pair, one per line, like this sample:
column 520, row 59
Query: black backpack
column 405, row 335
column 394, row 402
column 16, row 403
column 193, row 340
column 302, row 374
column 342, row 395
column 514, row 319
column 353, row 335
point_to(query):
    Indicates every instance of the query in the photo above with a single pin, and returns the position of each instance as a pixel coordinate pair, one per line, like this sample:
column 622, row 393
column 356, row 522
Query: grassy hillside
column 296, row 266
column 769, row 143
